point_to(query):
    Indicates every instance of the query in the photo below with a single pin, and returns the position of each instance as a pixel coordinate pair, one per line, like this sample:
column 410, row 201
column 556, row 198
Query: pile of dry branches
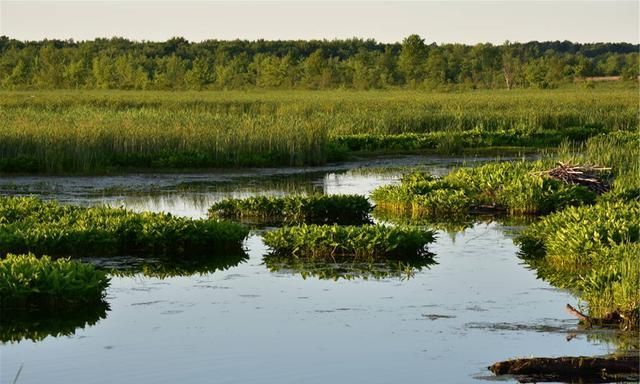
column 592, row 177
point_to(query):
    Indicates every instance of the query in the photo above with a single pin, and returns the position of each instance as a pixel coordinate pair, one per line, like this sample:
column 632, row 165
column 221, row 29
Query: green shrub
column 26, row 281
column 367, row 242
column 32, row 225
column 339, row 209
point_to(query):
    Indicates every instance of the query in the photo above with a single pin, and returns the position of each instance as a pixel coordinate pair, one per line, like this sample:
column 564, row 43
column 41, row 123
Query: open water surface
column 248, row 323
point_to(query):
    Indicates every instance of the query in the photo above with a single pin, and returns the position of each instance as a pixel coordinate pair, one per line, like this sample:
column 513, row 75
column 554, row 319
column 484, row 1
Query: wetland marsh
column 247, row 319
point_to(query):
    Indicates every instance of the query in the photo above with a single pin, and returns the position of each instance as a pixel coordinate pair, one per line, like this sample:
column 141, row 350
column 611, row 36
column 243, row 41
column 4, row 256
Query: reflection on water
column 16, row 326
column 259, row 320
column 162, row 268
column 345, row 269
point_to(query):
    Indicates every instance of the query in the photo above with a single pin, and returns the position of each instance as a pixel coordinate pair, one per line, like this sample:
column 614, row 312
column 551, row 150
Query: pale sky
column 467, row 22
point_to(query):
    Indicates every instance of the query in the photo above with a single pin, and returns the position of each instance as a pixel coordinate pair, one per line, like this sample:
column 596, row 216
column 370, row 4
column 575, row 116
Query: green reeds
column 99, row 131
column 330, row 209
column 47, row 227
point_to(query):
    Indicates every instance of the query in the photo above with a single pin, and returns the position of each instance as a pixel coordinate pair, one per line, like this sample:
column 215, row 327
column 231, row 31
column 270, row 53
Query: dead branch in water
column 610, row 319
column 584, row 175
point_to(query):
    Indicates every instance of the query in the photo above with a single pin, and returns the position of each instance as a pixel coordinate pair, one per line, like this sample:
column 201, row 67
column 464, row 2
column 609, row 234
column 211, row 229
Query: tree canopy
column 175, row 64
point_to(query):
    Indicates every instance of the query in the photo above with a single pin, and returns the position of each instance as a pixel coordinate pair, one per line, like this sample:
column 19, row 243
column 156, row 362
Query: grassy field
column 100, row 131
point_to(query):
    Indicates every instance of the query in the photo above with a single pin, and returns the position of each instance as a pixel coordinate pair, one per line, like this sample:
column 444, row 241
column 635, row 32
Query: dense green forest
column 119, row 63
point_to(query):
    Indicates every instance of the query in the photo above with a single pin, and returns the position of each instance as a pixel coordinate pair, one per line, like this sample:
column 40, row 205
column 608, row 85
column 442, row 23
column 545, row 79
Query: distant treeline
column 119, row 63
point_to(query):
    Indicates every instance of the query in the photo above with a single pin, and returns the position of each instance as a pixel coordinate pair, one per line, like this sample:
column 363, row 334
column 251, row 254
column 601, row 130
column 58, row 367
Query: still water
column 248, row 323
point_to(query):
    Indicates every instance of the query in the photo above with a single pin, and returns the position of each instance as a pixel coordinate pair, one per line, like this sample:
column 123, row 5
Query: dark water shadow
column 343, row 268
column 37, row 324
column 453, row 224
column 165, row 268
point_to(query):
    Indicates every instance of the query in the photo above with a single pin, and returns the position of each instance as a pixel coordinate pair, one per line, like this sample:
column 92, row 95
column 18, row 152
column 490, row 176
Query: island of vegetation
column 29, row 224
column 330, row 209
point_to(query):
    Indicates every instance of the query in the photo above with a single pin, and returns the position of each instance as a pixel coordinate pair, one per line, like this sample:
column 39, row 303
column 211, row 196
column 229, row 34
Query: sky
column 467, row 22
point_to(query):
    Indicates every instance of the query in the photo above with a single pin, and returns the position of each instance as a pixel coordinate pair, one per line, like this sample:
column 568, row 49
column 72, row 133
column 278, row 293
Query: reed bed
column 93, row 131
column 32, row 225
column 319, row 209
column 362, row 243
column 592, row 251
column 451, row 142
column 27, row 281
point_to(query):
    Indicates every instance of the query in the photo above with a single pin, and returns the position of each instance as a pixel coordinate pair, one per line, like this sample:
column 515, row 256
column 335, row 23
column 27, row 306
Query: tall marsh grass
column 77, row 131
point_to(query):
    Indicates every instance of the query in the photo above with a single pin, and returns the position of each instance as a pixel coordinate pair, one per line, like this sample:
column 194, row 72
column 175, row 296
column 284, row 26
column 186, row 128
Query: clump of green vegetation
column 27, row 281
column 346, row 269
column 592, row 251
column 512, row 187
column 367, row 242
column 329, row 209
column 47, row 227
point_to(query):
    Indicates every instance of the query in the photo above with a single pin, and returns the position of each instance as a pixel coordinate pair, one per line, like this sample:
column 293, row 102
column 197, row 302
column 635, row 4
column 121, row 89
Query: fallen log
column 609, row 320
column 570, row 367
